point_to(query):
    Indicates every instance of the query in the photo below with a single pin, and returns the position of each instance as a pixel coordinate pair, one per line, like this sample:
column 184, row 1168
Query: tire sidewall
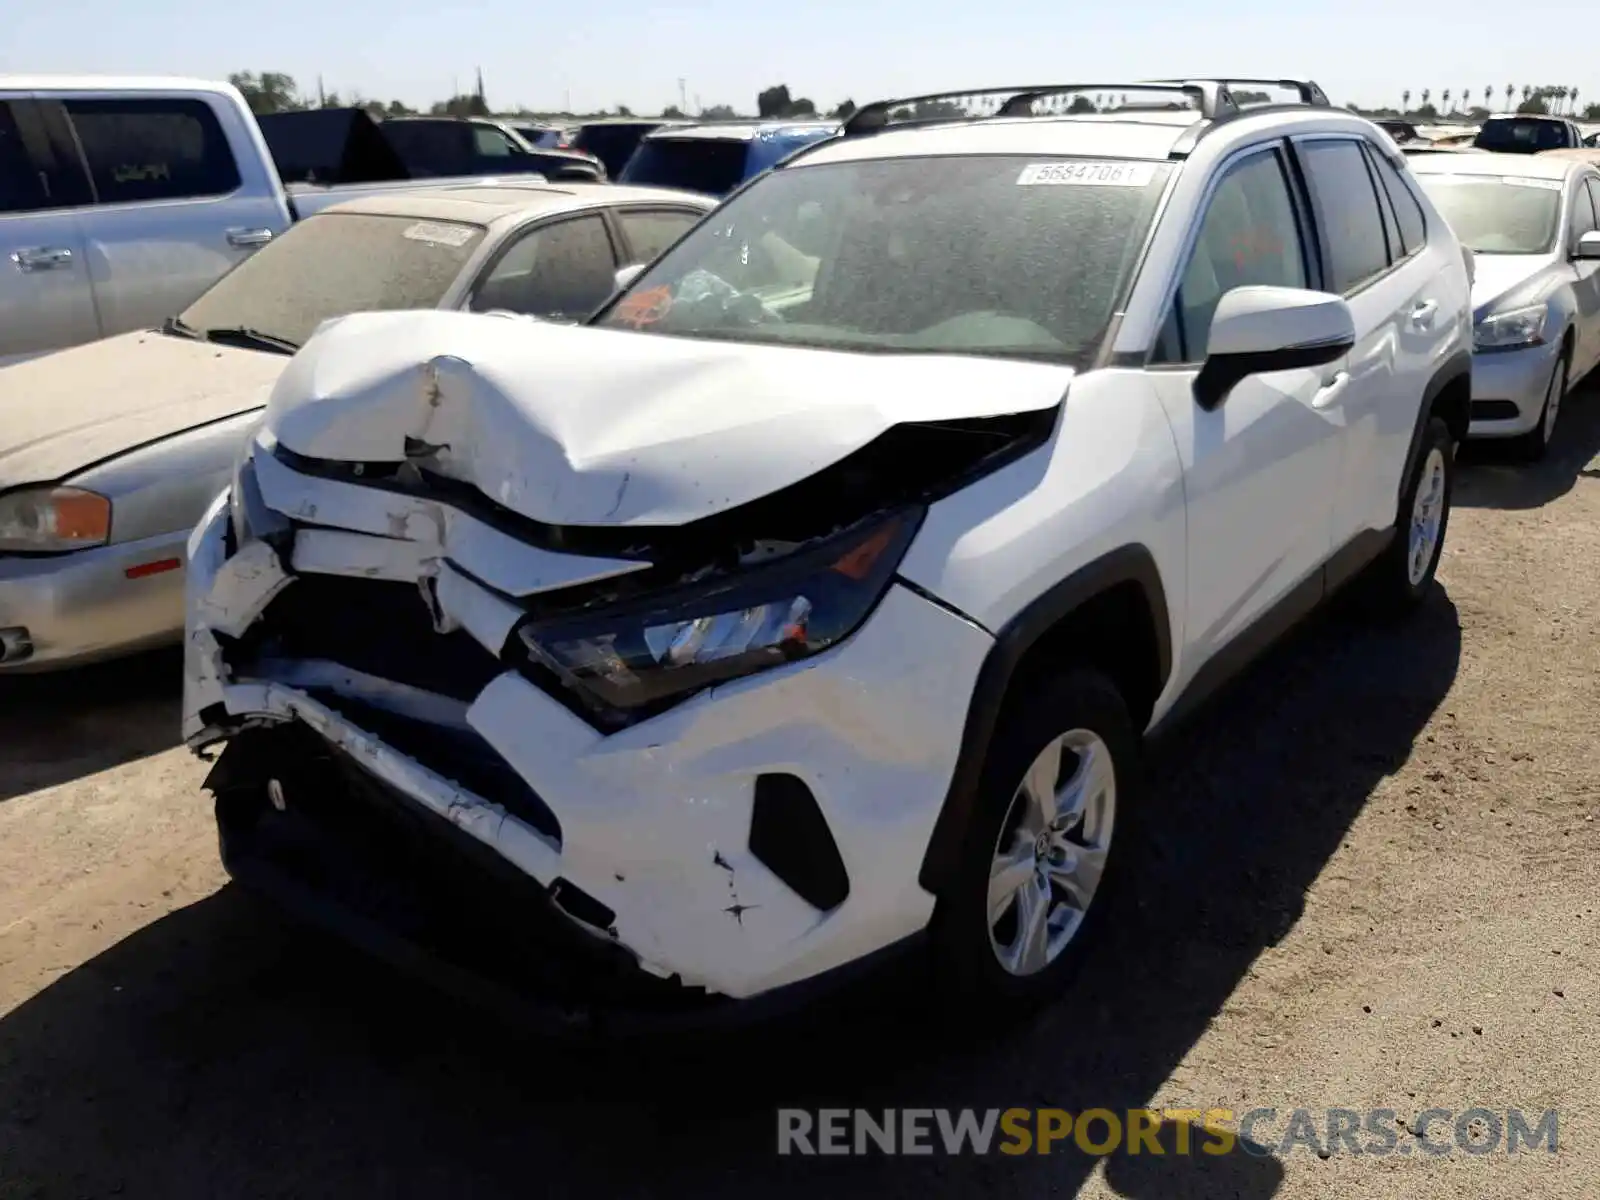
column 1436, row 436
column 969, row 974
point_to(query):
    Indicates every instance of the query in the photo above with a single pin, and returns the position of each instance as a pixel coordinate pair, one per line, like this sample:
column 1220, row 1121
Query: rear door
column 46, row 300
column 169, row 214
column 1397, row 315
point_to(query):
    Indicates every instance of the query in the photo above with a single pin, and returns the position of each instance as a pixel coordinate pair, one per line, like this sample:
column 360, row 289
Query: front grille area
column 371, row 625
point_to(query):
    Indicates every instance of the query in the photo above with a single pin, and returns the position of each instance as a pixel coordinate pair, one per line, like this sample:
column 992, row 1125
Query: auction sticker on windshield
column 1088, row 174
column 440, row 235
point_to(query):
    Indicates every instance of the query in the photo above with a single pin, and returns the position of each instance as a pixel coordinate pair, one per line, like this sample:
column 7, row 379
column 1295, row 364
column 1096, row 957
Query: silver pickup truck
column 121, row 200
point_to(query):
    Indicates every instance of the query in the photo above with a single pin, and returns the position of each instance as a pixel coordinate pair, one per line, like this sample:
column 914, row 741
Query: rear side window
column 159, row 149
column 1352, row 222
column 22, row 186
column 1413, row 229
column 713, row 166
column 649, row 233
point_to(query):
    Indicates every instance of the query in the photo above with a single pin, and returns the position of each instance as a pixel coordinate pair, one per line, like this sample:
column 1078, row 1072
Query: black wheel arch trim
column 1454, row 369
column 1127, row 564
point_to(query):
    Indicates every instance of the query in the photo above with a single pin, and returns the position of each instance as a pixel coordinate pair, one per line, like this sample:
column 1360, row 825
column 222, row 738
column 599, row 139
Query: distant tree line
column 274, row 91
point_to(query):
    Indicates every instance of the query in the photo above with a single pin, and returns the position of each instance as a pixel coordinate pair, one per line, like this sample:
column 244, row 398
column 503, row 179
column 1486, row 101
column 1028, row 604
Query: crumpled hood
column 1498, row 274
column 64, row 412
column 571, row 425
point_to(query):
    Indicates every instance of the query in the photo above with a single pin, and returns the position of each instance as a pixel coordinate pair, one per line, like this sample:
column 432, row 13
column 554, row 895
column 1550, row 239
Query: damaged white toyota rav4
column 816, row 596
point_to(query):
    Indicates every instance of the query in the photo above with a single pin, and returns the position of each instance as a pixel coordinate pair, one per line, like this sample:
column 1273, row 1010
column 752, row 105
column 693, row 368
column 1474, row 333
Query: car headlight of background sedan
column 1511, row 330
column 639, row 656
column 47, row 520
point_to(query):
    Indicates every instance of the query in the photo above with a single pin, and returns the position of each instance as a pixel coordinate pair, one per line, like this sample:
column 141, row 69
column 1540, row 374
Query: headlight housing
column 630, row 660
column 52, row 520
column 1511, row 330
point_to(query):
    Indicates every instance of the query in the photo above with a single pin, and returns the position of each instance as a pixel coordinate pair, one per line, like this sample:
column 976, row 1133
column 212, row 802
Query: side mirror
column 626, row 275
column 1588, row 247
column 1259, row 329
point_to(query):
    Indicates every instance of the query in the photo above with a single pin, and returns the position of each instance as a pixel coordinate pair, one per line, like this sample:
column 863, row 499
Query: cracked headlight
column 53, row 519
column 636, row 656
column 1510, row 330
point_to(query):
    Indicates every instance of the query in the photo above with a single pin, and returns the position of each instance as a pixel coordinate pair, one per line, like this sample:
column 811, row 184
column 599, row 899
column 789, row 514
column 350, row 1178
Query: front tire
column 1399, row 578
column 1532, row 446
column 1039, row 861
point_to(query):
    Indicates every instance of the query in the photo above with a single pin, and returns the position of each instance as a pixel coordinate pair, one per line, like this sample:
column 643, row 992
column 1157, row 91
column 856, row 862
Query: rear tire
column 1031, row 889
column 1398, row 579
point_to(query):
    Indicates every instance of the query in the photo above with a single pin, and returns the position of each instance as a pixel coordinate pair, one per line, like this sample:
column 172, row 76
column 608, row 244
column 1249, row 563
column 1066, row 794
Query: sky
column 635, row 52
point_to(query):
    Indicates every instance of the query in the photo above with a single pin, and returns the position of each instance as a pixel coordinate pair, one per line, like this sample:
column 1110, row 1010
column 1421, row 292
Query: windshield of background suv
column 714, row 166
column 1495, row 215
column 1520, row 135
column 332, row 264
column 997, row 255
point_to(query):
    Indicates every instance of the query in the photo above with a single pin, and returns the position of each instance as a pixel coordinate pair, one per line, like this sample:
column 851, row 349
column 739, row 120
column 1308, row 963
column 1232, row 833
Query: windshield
column 332, row 264
column 1002, row 255
column 1520, row 135
column 714, row 166
column 1495, row 215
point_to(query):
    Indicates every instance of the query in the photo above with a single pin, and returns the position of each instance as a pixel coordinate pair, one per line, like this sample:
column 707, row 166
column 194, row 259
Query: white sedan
column 1532, row 222
column 110, row 452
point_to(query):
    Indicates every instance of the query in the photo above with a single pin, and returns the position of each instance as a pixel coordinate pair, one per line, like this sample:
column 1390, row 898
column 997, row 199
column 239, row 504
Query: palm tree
column 1511, row 90
column 1425, row 94
column 1488, row 96
column 1573, row 92
column 1405, row 102
column 1444, row 99
column 1527, row 91
column 1466, row 98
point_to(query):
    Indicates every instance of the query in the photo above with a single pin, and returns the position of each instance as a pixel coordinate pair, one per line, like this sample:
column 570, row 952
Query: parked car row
column 122, row 200
column 609, row 619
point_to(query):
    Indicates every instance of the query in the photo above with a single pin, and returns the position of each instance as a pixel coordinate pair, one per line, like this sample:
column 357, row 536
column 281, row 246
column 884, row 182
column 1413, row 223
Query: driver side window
column 1250, row 235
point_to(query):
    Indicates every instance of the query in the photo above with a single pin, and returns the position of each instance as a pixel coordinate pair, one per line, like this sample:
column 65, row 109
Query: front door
column 1258, row 469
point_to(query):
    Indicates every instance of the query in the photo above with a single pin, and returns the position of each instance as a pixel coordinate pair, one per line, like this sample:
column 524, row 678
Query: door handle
column 41, row 258
column 1422, row 314
column 1331, row 390
column 245, row 239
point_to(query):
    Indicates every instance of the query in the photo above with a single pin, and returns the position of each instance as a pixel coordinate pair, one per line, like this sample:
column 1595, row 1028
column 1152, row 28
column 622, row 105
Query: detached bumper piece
column 302, row 823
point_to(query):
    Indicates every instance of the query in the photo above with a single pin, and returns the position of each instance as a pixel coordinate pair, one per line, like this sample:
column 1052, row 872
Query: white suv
column 814, row 599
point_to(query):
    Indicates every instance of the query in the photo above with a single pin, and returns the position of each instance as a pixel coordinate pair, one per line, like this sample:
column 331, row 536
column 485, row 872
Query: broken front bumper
column 688, row 843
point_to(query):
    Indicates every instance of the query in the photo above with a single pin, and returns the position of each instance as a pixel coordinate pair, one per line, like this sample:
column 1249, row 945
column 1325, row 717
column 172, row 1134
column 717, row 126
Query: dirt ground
column 1370, row 882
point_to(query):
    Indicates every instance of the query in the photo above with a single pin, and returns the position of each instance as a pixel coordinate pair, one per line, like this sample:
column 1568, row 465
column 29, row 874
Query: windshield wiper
column 251, row 339
column 178, row 327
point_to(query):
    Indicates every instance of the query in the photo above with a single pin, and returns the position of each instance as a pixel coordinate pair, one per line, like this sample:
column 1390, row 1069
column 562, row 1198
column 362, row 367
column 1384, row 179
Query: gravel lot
column 1371, row 883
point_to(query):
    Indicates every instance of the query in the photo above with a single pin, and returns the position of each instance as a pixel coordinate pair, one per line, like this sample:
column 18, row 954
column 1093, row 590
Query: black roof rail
column 1308, row 90
column 1210, row 98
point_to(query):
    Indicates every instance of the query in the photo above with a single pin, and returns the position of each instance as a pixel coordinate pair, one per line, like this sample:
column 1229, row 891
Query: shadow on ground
column 1494, row 478
column 218, row 1052
column 63, row 726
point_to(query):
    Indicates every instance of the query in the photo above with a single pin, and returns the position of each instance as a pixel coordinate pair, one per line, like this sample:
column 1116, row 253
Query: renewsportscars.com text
column 1378, row 1132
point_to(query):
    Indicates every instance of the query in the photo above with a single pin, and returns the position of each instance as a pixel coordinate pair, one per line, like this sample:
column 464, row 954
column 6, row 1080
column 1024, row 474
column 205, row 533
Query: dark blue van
column 716, row 158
